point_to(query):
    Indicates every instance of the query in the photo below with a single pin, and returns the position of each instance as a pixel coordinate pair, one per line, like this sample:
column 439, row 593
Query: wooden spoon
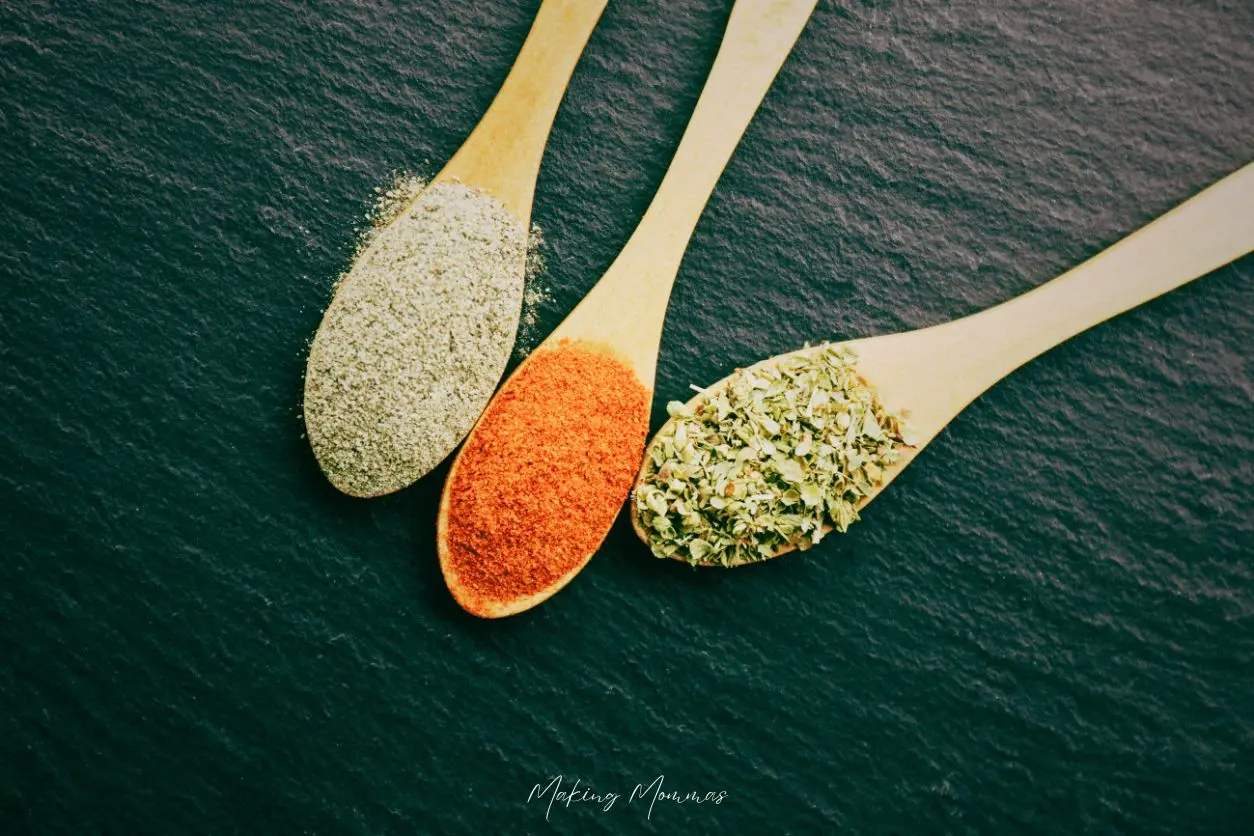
column 500, row 158
column 624, row 312
column 931, row 374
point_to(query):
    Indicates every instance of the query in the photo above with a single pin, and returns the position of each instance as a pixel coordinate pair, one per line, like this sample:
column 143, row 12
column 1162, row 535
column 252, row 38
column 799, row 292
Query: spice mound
column 538, row 485
column 769, row 460
column 415, row 340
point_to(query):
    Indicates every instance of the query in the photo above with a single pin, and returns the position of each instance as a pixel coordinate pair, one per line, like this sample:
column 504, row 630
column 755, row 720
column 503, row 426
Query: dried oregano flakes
column 766, row 461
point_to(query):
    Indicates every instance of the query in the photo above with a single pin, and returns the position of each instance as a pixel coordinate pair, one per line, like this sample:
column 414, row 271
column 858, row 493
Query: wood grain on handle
column 502, row 155
column 627, row 308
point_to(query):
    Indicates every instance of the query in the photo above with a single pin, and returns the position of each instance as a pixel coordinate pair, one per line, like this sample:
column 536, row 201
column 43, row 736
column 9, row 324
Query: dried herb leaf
column 767, row 460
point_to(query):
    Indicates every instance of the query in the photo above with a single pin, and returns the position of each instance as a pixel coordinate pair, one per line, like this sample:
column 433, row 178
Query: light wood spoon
column 933, row 373
column 500, row 158
column 624, row 312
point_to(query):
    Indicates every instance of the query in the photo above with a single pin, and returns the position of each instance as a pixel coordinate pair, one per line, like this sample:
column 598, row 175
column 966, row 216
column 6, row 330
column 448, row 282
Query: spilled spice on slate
column 539, row 483
column 770, row 460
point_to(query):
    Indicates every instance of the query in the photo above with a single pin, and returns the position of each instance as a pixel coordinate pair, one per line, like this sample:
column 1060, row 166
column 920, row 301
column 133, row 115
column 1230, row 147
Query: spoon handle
column 760, row 34
column 502, row 155
column 627, row 308
column 1200, row 235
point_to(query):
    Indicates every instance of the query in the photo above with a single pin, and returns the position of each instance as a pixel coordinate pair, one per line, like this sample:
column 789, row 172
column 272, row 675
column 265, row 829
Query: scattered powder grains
column 538, row 485
column 416, row 338
column 535, row 296
column 768, row 460
column 390, row 203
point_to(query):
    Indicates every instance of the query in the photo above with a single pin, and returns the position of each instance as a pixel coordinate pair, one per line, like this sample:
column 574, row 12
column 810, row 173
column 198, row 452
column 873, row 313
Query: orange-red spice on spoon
column 542, row 478
column 544, row 472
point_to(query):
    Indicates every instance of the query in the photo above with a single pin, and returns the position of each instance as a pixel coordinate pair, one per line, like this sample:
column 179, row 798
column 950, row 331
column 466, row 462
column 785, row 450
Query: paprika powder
column 542, row 477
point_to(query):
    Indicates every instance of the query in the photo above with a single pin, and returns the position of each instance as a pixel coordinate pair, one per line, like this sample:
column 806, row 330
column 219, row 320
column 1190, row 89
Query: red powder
column 538, row 485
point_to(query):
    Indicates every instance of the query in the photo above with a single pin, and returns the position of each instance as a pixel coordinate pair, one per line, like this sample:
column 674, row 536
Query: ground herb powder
column 539, row 483
column 415, row 340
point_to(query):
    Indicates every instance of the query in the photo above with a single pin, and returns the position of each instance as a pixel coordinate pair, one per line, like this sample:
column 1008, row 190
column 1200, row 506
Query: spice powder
column 415, row 340
column 539, row 483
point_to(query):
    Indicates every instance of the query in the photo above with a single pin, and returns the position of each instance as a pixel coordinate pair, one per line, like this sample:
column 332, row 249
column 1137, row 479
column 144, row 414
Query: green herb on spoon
column 752, row 468
column 766, row 461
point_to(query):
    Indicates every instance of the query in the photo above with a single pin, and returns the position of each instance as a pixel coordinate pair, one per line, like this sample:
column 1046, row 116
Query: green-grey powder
column 416, row 338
